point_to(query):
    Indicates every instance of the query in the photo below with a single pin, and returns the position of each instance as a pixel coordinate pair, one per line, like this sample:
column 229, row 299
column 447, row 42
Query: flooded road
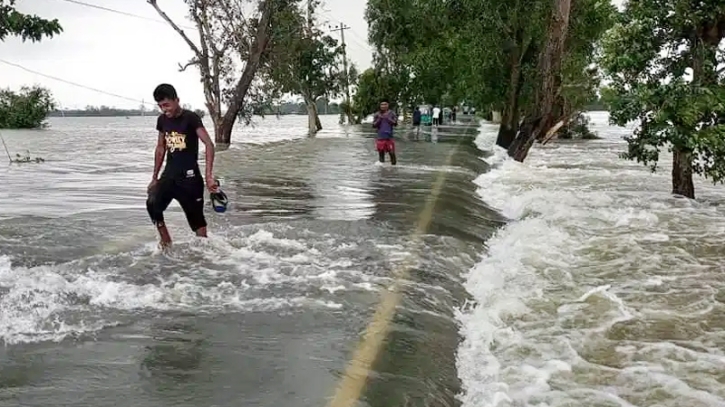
column 269, row 309
column 574, row 279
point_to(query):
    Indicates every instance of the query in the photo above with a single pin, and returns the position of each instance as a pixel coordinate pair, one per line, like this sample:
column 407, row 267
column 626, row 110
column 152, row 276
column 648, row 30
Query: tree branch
column 202, row 21
column 237, row 34
column 193, row 62
column 176, row 28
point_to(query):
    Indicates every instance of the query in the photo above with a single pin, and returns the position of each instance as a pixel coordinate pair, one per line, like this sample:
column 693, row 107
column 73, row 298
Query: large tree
column 304, row 64
column 565, row 79
column 501, row 41
column 228, row 37
column 664, row 63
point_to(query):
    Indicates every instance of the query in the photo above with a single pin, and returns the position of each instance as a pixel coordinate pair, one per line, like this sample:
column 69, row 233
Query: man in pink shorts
column 384, row 121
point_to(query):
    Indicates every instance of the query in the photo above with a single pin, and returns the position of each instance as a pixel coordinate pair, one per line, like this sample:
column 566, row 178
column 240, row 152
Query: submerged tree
column 663, row 60
column 303, row 64
column 25, row 109
column 228, row 37
column 542, row 115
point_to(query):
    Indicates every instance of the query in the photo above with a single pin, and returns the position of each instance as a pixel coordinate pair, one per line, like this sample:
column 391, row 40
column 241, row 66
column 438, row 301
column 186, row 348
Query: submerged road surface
column 288, row 303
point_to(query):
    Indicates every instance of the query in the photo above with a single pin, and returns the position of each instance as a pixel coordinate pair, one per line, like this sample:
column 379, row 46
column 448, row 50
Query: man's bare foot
column 164, row 246
column 165, row 242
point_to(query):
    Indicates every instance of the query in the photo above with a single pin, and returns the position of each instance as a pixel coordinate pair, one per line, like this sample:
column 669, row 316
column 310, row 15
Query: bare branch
column 175, row 27
column 193, row 62
column 237, row 34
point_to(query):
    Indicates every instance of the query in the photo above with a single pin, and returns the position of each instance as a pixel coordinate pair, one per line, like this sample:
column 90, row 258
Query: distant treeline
column 105, row 111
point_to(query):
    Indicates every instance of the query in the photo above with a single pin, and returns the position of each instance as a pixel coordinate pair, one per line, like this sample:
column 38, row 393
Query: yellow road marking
column 358, row 369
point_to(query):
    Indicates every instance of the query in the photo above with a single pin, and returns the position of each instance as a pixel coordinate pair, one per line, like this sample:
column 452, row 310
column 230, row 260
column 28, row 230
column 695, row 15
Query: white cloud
column 129, row 56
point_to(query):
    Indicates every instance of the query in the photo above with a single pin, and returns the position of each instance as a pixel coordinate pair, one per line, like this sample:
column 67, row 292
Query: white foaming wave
column 574, row 298
column 262, row 270
column 52, row 302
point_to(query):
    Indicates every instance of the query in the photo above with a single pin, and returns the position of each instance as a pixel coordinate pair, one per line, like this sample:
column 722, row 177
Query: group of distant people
column 434, row 115
column 385, row 120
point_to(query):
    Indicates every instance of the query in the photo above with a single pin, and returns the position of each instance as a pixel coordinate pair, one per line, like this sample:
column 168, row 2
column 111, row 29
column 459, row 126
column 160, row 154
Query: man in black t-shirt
column 179, row 133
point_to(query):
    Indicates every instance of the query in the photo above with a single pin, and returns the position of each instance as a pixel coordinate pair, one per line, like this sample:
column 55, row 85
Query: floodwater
column 574, row 279
column 603, row 290
column 267, row 311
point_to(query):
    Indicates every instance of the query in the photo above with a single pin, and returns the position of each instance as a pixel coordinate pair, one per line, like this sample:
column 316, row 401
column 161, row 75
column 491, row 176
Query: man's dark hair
column 165, row 91
column 385, row 100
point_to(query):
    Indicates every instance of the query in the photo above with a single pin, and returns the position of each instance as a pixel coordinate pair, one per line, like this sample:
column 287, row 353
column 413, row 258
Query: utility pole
column 342, row 27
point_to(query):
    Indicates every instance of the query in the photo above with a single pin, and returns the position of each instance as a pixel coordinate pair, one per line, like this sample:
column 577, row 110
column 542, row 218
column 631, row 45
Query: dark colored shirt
column 384, row 124
column 182, row 143
column 416, row 117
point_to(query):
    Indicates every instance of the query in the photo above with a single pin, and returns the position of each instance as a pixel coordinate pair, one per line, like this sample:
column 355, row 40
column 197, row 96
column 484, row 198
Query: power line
column 361, row 43
column 72, row 83
column 123, row 13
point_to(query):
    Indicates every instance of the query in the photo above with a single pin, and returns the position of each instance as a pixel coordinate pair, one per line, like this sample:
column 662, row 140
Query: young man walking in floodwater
column 178, row 139
column 384, row 121
column 416, row 121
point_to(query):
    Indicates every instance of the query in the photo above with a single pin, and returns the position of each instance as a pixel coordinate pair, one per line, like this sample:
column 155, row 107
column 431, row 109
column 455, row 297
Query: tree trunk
column 218, row 122
column 542, row 118
column 348, row 113
column 510, row 123
column 703, row 74
column 508, row 128
column 223, row 135
column 318, row 123
column 682, row 173
column 525, row 138
column 313, row 118
column 236, row 103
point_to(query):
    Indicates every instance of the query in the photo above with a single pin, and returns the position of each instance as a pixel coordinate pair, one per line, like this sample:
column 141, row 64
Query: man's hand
column 152, row 185
column 211, row 184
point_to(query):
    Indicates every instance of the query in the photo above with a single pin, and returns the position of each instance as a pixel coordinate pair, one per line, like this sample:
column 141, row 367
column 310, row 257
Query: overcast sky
column 129, row 56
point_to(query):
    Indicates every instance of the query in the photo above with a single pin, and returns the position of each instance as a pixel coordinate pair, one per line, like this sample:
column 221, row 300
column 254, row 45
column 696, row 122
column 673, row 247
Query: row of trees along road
column 538, row 62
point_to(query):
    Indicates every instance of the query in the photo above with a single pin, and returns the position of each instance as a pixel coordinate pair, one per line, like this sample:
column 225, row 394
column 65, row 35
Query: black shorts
column 187, row 191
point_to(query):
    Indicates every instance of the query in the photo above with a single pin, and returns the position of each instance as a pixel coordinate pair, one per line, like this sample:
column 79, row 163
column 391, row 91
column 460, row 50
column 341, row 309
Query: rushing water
column 603, row 290
column 269, row 309
column 587, row 285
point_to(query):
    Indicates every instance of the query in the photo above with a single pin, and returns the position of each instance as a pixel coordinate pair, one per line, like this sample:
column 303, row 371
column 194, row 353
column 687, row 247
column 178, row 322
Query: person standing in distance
column 178, row 139
column 416, row 121
column 384, row 121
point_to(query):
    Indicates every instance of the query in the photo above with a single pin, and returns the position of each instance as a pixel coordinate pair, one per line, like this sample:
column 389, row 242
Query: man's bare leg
column 164, row 235
column 201, row 232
